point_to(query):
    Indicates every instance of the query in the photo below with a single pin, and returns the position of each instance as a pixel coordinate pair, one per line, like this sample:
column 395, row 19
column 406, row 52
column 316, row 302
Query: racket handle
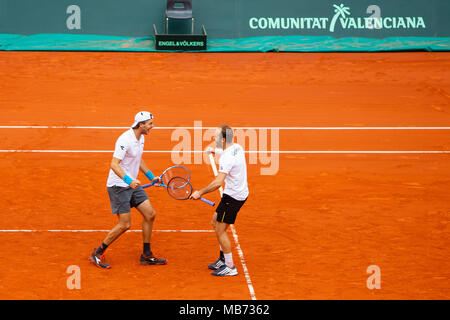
column 153, row 183
column 208, row 202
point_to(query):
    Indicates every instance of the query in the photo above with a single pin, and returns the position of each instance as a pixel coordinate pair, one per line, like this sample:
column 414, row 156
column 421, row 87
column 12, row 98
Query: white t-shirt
column 129, row 150
column 232, row 162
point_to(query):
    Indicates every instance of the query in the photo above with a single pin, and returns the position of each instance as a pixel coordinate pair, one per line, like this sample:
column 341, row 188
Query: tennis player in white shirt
column 125, row 191
column 232, row 171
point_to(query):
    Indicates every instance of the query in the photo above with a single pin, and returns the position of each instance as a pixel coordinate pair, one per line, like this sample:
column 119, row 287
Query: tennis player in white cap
column 125, row 191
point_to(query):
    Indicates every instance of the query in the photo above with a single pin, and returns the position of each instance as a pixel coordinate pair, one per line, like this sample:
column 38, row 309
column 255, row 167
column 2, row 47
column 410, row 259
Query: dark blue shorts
column 123, row 199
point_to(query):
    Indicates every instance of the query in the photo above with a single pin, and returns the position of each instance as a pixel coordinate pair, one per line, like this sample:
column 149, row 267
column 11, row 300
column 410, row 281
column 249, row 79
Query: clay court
column 363, row 177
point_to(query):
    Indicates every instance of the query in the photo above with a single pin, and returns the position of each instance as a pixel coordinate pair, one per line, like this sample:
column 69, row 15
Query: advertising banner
column 232, row 19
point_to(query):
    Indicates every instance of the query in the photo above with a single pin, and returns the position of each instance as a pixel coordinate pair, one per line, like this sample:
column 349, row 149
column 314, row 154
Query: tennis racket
column 180, row 189
column 169, row 173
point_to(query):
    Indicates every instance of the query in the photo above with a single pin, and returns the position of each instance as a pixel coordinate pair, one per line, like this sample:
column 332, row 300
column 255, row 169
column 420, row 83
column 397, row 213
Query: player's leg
column 120, row 205
column 213, row 223
column 228, row 269
column 223, row 209
column 123, row 224
column 221, row 260
column 222, row 237
column 226, row 214
column 148, row 218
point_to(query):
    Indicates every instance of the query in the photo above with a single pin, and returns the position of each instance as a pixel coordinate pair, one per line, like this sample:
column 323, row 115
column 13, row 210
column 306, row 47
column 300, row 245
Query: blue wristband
column 149, row 175
column 127, row 179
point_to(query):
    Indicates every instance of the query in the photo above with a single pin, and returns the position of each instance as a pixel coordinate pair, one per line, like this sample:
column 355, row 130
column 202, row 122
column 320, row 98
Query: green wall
column 231, row 18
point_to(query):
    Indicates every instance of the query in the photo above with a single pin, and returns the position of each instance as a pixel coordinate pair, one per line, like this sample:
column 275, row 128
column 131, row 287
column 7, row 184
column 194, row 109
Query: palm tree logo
column 339, row 11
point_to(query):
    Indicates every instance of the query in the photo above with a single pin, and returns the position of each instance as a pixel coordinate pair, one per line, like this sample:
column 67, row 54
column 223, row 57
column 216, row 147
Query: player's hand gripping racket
column 169, row 173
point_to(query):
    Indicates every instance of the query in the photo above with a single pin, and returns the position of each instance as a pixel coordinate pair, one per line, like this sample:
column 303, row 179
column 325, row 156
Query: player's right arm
column 214, row 185
column 121, row 174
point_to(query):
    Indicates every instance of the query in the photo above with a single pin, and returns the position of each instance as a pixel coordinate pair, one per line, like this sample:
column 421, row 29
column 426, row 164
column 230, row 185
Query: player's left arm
column 145, row 170
column 214, row 185
column 143, row 167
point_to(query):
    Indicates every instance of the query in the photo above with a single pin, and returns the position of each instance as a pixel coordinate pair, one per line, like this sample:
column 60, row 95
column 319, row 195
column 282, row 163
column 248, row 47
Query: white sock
column 229, row 259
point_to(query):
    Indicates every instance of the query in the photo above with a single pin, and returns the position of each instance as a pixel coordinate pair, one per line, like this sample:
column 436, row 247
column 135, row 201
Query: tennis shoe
column 151, row 260
column 225, row 271
column 99, row 260
column 216, row 265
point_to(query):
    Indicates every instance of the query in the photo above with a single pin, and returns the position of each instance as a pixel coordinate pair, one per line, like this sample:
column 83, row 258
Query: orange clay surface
column 308, row 232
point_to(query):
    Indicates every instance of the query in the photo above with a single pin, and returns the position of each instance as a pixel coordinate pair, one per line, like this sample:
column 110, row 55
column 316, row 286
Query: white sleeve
column 226, row 162
column 218, row 151
column 121, row 149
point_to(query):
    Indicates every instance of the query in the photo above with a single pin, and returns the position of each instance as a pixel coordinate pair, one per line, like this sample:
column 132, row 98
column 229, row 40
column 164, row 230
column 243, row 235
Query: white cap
column 142, row 116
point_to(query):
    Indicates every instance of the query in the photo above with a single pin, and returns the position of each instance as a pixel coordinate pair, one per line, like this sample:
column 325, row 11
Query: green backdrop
column 243, row 25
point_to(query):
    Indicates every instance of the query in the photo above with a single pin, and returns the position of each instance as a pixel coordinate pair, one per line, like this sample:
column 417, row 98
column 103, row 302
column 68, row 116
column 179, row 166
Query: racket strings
column 179, row 188
column 177, row 171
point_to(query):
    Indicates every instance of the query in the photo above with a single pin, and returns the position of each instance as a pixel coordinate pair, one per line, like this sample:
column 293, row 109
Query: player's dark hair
column 227, row 133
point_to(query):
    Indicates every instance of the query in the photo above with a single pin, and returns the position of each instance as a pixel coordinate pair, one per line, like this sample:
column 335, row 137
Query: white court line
column 248, row 151
column 236, row 240
column 99, row 230
column 242, row 128
column 263, row 152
